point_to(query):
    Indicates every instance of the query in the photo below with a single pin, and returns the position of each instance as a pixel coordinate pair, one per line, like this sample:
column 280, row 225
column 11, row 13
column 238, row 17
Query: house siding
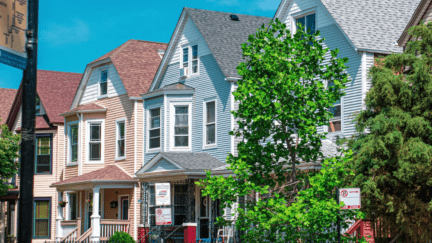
column 115, row 85
column 162, row 165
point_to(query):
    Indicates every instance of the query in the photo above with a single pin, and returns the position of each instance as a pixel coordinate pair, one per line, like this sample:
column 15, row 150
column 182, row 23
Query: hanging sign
column 351, row 197
column 163, row 216
column 13, row 24
column 163, row 194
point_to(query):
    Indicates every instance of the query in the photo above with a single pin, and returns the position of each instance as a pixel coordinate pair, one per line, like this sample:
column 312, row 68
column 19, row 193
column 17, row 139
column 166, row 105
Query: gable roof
column 222, row 35
column 371, row 25
column 92, row 107
column 418, row 15
column 56, row 91
column 6, row 99
column 136, row 62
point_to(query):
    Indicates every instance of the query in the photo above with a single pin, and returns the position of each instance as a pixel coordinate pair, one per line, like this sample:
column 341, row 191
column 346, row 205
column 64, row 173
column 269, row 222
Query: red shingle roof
column 40, row 124
column 108, row 173
column 87, row 107
column 136, row 62
column 6, row 99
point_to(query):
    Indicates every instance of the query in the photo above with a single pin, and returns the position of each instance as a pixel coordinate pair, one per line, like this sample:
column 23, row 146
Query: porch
column 92, row 210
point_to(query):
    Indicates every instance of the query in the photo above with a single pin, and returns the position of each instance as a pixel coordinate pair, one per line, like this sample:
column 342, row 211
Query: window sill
column 94, row 163
column 102, row 97
column 120, row 158
column 186, row 149
column 72, row 164
column 212, row 146
column 152, row 151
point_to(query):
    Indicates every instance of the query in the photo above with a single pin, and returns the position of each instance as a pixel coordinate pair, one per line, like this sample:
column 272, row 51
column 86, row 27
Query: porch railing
column 85, row 238
column 110, row 226
column 71, row 237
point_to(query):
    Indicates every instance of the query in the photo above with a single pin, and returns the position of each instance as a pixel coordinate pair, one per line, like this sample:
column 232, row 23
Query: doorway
column 124, row 208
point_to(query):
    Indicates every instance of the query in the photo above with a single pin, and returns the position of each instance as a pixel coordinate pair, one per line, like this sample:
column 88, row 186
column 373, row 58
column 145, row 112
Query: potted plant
column 62, row 204
column 90, row 202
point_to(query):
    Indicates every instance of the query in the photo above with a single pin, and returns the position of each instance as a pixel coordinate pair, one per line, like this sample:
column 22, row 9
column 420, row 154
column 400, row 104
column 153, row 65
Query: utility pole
column 25, row 205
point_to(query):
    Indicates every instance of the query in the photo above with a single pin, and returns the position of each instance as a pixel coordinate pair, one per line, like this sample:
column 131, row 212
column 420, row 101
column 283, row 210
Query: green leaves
column 9, row 148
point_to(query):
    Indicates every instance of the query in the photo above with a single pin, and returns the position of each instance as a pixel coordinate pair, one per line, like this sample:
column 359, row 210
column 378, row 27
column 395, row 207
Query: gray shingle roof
column 194, row 161
column 225, row 36
column 372, row 24
column 174, row 86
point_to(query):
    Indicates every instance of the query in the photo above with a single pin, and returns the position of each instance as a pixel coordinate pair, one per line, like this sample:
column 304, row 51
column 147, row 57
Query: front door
column 124, row 214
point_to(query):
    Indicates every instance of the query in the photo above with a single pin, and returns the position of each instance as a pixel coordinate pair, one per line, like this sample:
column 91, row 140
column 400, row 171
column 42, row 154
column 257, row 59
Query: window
column 210, row 123
column 41, row 217
column 121, row 139
column 335, row 124
column 180, row 203
column 43, row 154
column 73, row 143
column 103, row 82
column 154, row 129
column 307, row 22
column 152, row 206
column 181, row 126
column 73, row 206
column 95, row 141
column 124, row 208
column 38, row 106
column 190, row 54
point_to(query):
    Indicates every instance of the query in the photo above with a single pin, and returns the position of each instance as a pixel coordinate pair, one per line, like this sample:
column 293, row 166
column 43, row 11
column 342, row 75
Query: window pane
column 121, row 148
column 104, row 76
column 335, row 126
column 211, row 134
column 95, row 151
column 154, row 143
column 301, row 21
column 310, row 23
column 181, row 130
column 152, row 196
column 152, row 220
column 41, row 228
column 211, row 112
column 41, row 218
column 44, row 145
column 95, row 133
column 181, row 110
column 121, row 128
column 336, row 111
column 155, row 112
column 73, row 206
column 42, row 209
column 74, row 153
column 185, row 56
column 194, row 66
column 194, row 52
column 181, row 119
column 155, row 133
column 103, row 88
column 74, row 134
column 181, row 141
column 155, row 122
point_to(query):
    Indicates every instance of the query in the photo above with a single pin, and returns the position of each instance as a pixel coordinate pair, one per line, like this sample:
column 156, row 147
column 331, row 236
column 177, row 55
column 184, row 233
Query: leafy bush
column 122, row 237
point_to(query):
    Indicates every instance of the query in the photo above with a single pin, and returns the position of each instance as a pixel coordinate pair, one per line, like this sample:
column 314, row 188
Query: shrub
column 122, row 237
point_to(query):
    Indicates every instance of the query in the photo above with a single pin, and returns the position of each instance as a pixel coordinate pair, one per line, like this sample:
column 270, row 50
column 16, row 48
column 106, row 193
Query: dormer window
column 103, row 83
column 190, row 58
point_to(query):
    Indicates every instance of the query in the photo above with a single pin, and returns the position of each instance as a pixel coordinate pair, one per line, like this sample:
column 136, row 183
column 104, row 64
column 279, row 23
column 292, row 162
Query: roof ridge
column 156, row 42
column 120, row 49
column 226, row 12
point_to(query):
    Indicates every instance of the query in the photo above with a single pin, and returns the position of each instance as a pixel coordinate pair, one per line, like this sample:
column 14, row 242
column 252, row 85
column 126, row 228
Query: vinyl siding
column 115, row 85
column 162, row 165
column 70, row 170
column 17, row 123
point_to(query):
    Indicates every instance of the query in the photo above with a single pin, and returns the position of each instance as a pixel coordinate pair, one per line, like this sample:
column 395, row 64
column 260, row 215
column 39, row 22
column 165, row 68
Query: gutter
column 231, row 79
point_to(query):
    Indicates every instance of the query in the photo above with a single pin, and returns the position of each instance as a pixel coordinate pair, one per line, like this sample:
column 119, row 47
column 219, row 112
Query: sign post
column 351, row 197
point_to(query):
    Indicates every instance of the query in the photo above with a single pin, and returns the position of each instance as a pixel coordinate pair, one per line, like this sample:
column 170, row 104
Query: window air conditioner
column 184, row 72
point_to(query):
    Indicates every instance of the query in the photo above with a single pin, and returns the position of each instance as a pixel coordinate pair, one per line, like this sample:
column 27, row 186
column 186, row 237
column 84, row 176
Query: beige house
column 104, row 144
column 55, row 92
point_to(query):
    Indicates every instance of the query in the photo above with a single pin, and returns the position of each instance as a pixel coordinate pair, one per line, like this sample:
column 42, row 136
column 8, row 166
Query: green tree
column 283, row 98
column 9, row 148
column 393, row 159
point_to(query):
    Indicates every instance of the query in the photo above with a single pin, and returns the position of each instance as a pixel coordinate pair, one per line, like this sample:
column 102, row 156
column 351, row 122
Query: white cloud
column 60, row 34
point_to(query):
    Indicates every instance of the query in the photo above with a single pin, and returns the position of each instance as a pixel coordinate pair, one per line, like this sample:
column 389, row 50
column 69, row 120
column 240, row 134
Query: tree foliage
column 9, row 148
column 283, row 98
column 122, row 237
column 393, row 160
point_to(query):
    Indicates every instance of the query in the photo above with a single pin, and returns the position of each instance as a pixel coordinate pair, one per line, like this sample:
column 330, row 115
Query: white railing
column 85, row 238
column 71, row 237
column 110, row 226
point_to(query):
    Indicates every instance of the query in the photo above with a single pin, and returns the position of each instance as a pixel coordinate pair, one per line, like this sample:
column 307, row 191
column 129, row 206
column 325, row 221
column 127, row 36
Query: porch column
column 95, row 218
column 59, row 217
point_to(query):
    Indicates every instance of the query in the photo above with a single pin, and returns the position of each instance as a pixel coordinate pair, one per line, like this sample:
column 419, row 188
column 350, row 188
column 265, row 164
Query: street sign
column 13, row 24
column 163, row 194
column 163, row 216
column 351, row 197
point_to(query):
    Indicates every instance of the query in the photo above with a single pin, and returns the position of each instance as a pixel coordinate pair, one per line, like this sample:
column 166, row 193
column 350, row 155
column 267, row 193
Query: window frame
column 327, row 127
column 120, row 206
column 152, row 150
column 38, row 106
column 69, row 134
column 42, row 135
column 49, row 218
column 190, row 58
column 69, row 205
column 302, row 14
column 102, row 69
column 88, row 123
column 205, row 124
column 173, row 105
column 118, row 121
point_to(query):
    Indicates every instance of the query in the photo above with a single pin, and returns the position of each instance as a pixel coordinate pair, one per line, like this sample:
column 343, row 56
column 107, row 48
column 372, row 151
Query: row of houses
column 148, row 112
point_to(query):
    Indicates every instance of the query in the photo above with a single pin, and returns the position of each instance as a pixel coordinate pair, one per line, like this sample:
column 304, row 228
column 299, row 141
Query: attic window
column 234, row 17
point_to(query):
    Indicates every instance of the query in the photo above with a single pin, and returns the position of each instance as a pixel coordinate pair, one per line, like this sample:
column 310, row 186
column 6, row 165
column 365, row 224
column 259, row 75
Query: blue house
column 188, row 114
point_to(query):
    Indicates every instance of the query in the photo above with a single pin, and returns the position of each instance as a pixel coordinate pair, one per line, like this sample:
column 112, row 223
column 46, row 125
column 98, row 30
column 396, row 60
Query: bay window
column 73, row 143
column 154, row 129
column 181, row 126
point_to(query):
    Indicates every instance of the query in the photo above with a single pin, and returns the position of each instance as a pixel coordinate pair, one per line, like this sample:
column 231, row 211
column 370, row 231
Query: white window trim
column 117, row 137
column 119, row 206
column 190, row 58
column 296, row 16
column 172, row 119
column 105, row 68
column 326, row 127
column 209, row 146
column 69, row 154
column 153, row 150
column 87, row 140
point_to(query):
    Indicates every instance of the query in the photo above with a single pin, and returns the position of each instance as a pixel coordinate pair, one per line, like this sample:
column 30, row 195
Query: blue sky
column 74, row 33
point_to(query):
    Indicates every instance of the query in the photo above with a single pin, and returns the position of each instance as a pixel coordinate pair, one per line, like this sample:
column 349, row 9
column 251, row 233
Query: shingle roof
column 6, row 99
column 41, row 124
column 194, row 161
column 175, row 86
column 372, row 24
column 415, row 20
column 87, row 107
column 136, row 62
column 225, row 36
column 108, row 173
